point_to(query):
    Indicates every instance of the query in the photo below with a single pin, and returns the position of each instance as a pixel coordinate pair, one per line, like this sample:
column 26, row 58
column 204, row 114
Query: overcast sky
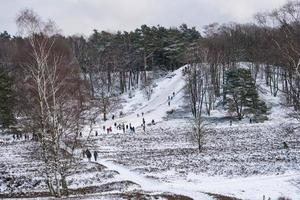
column 82, row 16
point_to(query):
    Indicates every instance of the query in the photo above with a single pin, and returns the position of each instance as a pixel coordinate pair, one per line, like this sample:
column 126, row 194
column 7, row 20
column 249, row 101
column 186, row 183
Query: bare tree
column 199, row 132
column 198, row 84
column 282, row 27
column 148, row 87
column 54, row 98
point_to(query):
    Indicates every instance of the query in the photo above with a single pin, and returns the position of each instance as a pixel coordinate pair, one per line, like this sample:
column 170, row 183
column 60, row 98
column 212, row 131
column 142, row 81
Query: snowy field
column 242, row 161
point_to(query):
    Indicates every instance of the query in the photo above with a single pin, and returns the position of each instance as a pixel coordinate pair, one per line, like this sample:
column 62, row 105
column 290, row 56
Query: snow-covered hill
column 154, row 109
column 244, row 161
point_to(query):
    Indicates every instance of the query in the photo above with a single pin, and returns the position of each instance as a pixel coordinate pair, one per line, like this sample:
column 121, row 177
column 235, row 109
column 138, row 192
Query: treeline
column 111, row 63
column 271, row 46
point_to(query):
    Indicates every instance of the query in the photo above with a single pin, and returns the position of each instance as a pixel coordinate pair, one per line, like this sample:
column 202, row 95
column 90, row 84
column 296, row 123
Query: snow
column 245, row 161
column 131, row 151
column 156, row 108
column 153, row 185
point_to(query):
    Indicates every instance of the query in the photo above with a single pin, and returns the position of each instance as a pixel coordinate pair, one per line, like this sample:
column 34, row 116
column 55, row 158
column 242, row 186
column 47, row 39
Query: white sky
column 82, row 16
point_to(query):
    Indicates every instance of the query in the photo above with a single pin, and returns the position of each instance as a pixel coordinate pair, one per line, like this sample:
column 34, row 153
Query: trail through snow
column 246, row 188
column 156, row 108
column 152, row 185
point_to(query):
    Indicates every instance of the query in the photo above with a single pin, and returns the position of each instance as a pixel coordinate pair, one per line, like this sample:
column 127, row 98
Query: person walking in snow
column 113, row 117
column 95, row 155
column 96, row 134
column 169, row 103
column 144, row 122
column 88, row 155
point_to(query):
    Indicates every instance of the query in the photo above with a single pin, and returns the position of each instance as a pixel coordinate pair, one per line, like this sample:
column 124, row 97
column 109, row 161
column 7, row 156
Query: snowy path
column 156, row 108
column 254, row 187
column 152, row 185
column 245, row 188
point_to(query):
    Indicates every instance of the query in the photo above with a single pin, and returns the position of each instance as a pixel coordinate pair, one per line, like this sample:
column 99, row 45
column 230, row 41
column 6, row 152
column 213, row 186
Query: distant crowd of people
column 170, row 98
column 20, row 136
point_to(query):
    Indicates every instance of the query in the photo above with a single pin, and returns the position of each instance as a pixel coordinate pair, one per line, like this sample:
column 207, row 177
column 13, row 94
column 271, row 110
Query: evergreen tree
column 6, row 100
column 240, row 93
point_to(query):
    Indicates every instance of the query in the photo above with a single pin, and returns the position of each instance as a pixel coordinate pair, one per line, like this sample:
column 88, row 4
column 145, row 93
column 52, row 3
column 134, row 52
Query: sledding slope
column 156, row 108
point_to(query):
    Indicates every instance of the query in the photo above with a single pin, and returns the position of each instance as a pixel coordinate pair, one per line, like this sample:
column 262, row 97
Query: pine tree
column 240, row 93
column 6, row 100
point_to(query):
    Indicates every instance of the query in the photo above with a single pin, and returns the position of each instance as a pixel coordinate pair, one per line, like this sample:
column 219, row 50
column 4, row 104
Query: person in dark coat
column 80, row 134
column 88, row 154
column 95, row 155
column 113, row 117
column 144, row 127
column 96, row 133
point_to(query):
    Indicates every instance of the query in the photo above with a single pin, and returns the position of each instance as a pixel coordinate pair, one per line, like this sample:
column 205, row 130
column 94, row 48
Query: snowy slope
column 156, row 108
column 133, row 152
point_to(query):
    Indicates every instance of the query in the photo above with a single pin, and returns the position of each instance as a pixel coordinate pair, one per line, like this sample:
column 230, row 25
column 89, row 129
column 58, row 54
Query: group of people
column 119, row 127
column 108, row 130
column 170, row 98
column 19, row 136
column 88, row 154
column 125, row 127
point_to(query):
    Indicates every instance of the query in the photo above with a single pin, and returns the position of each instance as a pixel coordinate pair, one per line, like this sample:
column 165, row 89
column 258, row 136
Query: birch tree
column 54, row 98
